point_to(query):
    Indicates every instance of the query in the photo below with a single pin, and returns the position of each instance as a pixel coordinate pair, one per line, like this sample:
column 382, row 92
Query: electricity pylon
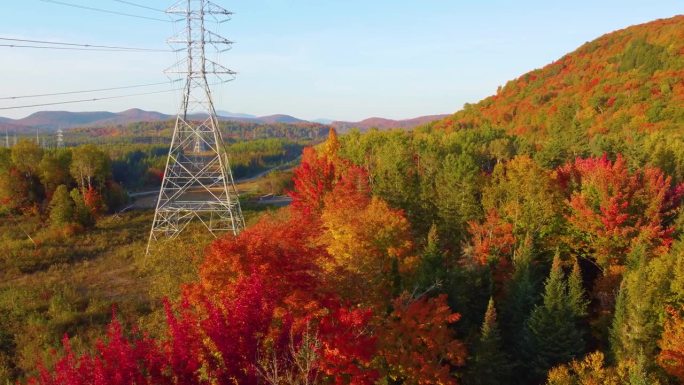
column 60, row 138
column 198, row 183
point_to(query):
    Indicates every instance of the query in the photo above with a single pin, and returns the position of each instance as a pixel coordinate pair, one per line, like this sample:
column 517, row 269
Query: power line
column 86, row 45
column 102, row 10
column 87, row 100
column 84, row 91
column 96, row 99
column 67, row 48
column 140, row 5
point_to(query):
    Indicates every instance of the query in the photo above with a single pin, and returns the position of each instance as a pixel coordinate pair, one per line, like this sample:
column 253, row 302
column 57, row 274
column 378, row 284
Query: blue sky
column 335, row 59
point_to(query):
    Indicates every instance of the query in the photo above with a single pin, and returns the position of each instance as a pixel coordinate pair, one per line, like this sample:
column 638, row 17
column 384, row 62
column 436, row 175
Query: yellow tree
column 369, row 243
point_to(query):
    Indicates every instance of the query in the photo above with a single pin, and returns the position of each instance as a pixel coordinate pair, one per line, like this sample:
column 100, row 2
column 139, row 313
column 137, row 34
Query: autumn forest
column 534, row 237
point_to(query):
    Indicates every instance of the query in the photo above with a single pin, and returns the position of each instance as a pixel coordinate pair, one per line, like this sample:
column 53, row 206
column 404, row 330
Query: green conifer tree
column 61, row 207
column 552, row 336
column 576, row 294
column 82, row 213
column 522, row 297
column 490, row 364
column 637, row 321
column 432, row 268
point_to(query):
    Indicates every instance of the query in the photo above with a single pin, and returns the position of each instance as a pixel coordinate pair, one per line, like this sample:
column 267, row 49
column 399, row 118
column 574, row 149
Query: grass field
column 54, row 283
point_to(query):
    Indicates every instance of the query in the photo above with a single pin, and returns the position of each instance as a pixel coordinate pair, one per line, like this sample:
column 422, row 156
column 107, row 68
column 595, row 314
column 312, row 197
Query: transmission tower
column 198, row 183
column 60, row 138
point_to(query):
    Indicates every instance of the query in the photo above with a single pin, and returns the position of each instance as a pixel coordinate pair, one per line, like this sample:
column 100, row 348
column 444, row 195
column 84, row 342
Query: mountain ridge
column 52, row 121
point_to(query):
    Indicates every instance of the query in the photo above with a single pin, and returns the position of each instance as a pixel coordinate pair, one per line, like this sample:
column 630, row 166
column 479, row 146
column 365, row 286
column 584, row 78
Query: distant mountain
column 384, row 124
column 51, row 121
column 134, row 115
column 54, row 120
column 271, row 119
column 228, row 114
column 323, row 121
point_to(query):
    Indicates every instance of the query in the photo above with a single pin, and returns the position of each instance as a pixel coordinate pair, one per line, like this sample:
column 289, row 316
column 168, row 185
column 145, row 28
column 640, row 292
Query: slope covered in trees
column 628, row 81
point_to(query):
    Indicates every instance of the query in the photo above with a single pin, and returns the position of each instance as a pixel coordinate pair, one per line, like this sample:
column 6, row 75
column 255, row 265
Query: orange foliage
column 276, row 247
column 492, row 240
column 418, row 345
column 671, row 357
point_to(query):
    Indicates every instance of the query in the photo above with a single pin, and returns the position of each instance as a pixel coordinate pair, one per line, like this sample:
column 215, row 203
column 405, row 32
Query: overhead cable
column 87, row 100
column 139, row 5
column 85, row 91
column 102, row 10
column 89, row 46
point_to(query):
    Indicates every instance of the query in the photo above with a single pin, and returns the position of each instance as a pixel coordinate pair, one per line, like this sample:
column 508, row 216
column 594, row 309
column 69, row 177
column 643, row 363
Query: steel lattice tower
column 198, row 182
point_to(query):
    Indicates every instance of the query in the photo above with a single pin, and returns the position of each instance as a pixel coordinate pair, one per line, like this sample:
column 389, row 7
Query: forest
column 533, row 238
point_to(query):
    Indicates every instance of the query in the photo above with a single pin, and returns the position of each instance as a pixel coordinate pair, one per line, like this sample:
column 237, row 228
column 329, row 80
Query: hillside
column 631, row 79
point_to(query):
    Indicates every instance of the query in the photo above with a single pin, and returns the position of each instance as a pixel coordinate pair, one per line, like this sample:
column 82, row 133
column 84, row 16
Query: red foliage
column 117, row 361
column 314, row 177
column 613, row 208
column 418, row 344
column 492, row 240
column 278, row 248
column 347, row 348
column 93, row 200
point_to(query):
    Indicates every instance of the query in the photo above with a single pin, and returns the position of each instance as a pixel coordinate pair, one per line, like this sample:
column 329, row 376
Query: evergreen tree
column 456, row 196
column 552, row 336
column 432, row 267
column 637, row 323
column 490, row 364
column 576, row 294
column 82, row 213
column 521, row 299
column 61, row 207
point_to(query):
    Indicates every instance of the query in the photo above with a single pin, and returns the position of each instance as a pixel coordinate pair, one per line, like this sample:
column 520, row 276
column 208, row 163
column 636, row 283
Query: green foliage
column 433, row 269
column 525, row 195
column 643, row 56
column 82, row 214
column 577, row 298
column 553, row 336
column 639, row 309
column 26, row 156
column 54, row 170
column 490, row 364
column 89, row 166
column 62, row 207
column 456, row 195
column 522, row 296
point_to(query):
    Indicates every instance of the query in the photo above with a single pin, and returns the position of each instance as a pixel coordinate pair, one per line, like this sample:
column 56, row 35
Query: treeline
column 251, row 157
column 73, row 186
column 160, row 132
column 140, row 166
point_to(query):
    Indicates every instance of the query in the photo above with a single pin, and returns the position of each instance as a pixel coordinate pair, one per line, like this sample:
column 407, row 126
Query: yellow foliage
column 366, row 239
